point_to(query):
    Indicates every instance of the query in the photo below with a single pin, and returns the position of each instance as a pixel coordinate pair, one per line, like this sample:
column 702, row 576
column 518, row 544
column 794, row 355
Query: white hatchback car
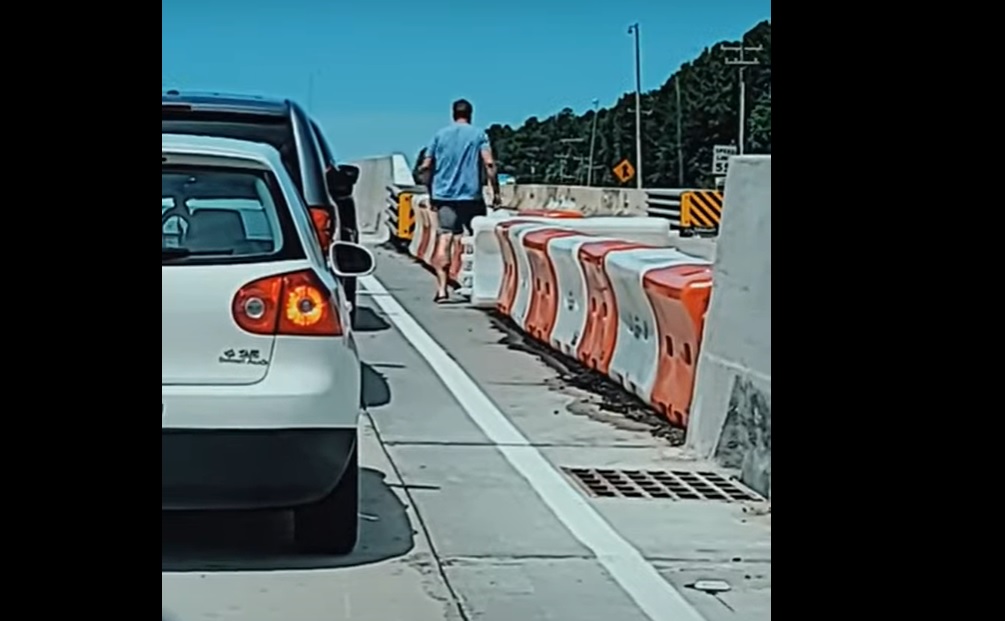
column 260, row 375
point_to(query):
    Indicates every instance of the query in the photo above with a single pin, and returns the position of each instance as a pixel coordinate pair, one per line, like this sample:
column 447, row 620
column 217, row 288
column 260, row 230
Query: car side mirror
column 341, row 179
column 351, row 260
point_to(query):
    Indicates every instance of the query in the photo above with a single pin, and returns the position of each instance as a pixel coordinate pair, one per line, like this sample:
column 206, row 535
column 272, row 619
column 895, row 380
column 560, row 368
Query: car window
column 229, row 212
column 254, row 217
column 273, row 130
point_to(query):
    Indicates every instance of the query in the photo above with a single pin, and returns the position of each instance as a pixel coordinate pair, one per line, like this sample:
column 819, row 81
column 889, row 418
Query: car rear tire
column 331, row 525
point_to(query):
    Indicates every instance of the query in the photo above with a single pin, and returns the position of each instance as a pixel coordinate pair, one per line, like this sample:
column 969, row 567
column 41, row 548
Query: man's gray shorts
column 455, row 216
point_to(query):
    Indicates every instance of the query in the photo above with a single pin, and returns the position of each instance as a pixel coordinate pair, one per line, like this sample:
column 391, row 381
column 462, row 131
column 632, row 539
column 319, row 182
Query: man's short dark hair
column 462, row 109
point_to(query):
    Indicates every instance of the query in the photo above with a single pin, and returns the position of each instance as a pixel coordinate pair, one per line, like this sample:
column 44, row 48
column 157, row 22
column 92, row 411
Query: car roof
column 226, row 102
column 222, row 147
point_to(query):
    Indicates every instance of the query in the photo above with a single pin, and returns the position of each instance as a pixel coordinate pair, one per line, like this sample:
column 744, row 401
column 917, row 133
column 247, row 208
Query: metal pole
column 634, row 29
column 680, row 146
column 593, row 141
column 741, row 64
column 743, row 111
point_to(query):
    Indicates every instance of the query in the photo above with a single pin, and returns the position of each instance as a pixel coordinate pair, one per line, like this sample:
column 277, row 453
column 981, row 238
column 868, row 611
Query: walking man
column 454, row 160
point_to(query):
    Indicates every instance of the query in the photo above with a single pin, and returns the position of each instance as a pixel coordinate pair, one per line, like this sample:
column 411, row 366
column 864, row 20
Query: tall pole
column 742, row 63
column 743, row 111
column 680, row 146
column 634, row 29
column 593, row 141
column 564, row 158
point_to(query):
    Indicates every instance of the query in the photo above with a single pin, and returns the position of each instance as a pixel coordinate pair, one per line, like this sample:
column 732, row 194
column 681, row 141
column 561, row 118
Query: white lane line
column 655, row 596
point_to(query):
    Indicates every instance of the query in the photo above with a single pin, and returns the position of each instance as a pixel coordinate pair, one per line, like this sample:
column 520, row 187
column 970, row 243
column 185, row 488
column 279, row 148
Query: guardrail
column 665, row 203
column 690, row 211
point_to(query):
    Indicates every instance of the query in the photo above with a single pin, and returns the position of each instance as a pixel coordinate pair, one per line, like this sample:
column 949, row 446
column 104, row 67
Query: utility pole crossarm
column 741, row 50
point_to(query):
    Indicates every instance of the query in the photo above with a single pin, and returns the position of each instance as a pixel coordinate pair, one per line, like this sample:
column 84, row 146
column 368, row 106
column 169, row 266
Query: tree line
column 556, row 150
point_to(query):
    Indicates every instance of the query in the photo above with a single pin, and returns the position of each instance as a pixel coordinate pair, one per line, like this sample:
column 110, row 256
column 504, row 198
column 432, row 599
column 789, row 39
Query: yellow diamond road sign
column 624, row 171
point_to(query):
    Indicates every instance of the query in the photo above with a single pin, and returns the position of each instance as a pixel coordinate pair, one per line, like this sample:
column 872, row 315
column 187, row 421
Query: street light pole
column 742, row 63
column 680, row 146
column 634, row 29
column 593, row 141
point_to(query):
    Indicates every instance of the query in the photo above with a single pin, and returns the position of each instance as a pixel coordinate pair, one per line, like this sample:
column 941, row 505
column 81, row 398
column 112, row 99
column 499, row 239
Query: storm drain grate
column 653, row 484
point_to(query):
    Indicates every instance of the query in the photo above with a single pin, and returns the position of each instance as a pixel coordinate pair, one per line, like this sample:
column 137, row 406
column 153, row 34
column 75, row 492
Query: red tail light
column 294, row 304
column 322, row 220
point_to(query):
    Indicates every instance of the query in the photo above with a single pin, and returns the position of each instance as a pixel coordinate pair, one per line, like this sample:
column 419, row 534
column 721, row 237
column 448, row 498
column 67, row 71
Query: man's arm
column 426, row 167
column 490, row 170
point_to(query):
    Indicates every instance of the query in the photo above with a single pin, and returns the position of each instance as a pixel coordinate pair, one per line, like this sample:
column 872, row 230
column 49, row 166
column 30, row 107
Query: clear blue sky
column 385, row 71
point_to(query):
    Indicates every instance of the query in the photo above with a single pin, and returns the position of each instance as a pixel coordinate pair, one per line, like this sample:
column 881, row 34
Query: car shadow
column 262, row 540
column 375, row 391
column 369, row 320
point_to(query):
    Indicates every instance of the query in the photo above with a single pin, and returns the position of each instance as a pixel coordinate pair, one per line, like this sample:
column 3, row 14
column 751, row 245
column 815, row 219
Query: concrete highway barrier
column 370, row 192
column 731, row 418
column 588, row 201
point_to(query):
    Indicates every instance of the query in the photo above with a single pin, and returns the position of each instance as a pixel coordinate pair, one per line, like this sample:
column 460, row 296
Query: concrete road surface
column 465, row 514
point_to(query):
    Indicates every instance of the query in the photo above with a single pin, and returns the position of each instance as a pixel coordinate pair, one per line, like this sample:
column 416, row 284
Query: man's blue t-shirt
column 456, row 152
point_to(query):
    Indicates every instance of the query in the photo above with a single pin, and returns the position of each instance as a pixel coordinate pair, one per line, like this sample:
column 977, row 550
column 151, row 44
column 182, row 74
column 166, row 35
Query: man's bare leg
column 441, row 262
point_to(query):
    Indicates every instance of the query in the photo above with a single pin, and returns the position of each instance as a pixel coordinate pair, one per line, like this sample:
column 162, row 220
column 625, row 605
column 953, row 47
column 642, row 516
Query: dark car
column 326, row 185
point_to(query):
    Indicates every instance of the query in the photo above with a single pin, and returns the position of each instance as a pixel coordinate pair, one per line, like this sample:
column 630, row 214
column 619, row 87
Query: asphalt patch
column 613, row 405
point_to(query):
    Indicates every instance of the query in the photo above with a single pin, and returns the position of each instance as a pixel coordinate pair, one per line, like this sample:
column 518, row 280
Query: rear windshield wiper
column 180, row 253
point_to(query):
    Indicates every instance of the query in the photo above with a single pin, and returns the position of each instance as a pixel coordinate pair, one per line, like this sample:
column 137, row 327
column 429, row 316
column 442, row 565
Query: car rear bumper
column 203, row 469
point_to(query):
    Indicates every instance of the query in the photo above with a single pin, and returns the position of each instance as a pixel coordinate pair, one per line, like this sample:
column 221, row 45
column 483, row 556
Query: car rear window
column 225, row 215
column 271, row 129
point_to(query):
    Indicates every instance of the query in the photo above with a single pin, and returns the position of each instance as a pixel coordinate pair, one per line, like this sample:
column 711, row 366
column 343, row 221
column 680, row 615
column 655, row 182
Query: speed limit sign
column 720, row 158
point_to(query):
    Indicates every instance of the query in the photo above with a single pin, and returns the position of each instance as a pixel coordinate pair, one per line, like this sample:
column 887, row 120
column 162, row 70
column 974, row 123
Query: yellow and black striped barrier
column 701, row 211
column 406, row 216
